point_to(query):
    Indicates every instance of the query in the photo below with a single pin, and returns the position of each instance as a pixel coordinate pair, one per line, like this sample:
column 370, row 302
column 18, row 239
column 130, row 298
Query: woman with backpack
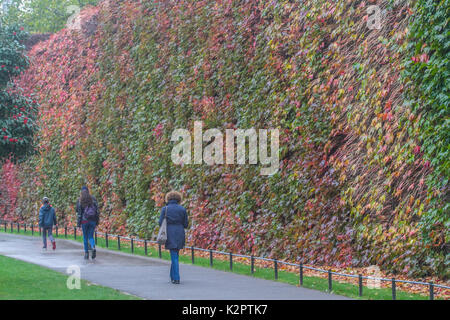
column 87, row 218
column 177, row 221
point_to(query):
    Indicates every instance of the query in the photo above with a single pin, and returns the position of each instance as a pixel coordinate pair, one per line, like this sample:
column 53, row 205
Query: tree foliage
column 427, row 70
column 42, row 16
column 17, row 111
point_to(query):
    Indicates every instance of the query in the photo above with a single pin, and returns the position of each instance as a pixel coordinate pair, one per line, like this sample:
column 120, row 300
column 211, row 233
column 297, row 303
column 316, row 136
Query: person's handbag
column 162, row 234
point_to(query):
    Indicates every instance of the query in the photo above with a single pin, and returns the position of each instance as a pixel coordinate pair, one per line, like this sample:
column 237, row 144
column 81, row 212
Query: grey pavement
column 149, row 277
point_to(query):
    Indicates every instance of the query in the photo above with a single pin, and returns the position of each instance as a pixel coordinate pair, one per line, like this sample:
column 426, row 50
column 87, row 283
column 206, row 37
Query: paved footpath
column 149, row 277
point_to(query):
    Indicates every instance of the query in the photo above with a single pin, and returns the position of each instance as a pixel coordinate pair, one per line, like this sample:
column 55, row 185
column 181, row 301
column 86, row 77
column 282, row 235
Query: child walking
column 47, row 219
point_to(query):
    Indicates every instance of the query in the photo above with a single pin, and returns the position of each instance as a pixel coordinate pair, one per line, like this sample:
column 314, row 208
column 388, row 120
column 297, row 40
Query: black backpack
column 90, row 213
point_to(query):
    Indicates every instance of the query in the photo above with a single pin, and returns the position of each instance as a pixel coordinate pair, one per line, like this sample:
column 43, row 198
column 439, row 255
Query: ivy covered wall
column 360, row 182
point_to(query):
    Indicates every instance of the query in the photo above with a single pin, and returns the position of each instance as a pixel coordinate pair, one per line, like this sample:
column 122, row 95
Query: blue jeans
column 46, row 230
column 88, row 234
column 174, row 267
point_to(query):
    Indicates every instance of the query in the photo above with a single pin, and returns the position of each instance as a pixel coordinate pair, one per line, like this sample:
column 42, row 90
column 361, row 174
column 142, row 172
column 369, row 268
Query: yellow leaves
column 420, row 212
column 378, row 125
column 411, row 200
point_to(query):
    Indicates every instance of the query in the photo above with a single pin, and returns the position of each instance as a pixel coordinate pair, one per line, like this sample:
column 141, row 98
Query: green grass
column 316, row 283
column 25, row 281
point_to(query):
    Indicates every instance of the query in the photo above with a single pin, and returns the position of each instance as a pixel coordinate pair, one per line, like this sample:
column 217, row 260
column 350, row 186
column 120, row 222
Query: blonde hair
column 174, row 195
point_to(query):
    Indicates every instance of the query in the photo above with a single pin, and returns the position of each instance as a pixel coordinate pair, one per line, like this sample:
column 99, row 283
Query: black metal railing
column 301, row 267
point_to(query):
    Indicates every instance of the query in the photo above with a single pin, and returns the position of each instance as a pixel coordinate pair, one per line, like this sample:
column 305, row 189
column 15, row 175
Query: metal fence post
column 145, row 247
column 118, row 242
column 192, row 255
column 275, row 266
column 159, row 250
column 301, row 274
column 330, row 281
column 431, row 291
column 210, row 258
column 132, row 245
column 56, row 231
column 95, row 236
column 65, row 232
column 18, row 228
column 75, row 233
column 32, row 230
column 106, row 239
column 12, row 228
column 231, row 261
column 25, row 228
column 394, row 291
column 360, row 283
column 5, row 226
column 252, row 264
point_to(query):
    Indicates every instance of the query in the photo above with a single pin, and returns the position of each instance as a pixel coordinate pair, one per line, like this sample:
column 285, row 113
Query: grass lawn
column 25, row 281
column 316, row 283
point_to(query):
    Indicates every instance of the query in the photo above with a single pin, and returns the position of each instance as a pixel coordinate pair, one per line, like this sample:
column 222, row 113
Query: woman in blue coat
column 177, row 221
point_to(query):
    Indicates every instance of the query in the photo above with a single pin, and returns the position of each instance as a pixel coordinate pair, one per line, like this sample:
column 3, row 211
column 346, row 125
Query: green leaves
column 429, row 96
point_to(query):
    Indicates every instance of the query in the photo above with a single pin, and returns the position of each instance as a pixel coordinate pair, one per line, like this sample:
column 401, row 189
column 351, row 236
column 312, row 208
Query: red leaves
column 158, row 130
column 421, row 58
column 9, row 188
column 388, row 106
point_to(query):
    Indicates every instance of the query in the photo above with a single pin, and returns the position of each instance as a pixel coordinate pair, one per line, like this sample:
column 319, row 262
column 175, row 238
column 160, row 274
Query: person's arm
column 97, row 211
column 186, row 220
column 161, row 216
column 78, row 210
column 40, row 217
column 54, row 216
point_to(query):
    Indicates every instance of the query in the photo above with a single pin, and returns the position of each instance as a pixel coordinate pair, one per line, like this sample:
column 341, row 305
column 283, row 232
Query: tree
column 17, row 111
column 42, row 16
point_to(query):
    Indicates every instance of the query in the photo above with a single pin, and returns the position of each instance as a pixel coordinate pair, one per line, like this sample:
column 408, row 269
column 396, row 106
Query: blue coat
column 47, row 216
column 177, row 221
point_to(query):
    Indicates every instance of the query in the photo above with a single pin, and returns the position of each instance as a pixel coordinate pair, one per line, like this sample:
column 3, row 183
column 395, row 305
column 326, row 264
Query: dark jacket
column 177, row 221
column 80, row 210
column 47, row 216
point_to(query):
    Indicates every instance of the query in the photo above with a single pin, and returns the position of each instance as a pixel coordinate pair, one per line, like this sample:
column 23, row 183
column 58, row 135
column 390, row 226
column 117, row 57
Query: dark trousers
column 88, row 234
column 174, row 267
column 46, row 230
